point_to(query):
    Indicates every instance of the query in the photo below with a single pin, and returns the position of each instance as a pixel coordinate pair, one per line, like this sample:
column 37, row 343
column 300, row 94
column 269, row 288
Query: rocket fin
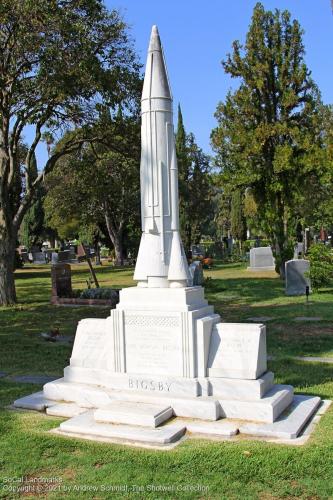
column 149, row 261
column 178, row 267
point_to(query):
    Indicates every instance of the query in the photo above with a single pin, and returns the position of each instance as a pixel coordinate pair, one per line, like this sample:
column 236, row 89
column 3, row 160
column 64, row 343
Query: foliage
column 238, row 223
column 270, row 135
column 248, row 244
column 195, row 191
column 58, row 60
column 101, row 293
column 33, row 221
column 100, row 184
column 321, row 265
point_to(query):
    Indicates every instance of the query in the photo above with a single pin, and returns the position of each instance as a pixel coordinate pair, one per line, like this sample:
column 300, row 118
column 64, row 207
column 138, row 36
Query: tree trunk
column 7, row 283
column 118, row 249
column 116, row 234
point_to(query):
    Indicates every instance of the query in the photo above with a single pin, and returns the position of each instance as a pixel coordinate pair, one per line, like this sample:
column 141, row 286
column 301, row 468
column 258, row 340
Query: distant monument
column 261, row 259
column 296, row 277
column 163, row 352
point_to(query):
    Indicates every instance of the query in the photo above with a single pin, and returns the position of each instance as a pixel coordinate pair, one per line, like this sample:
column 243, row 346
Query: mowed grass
column 196, row 468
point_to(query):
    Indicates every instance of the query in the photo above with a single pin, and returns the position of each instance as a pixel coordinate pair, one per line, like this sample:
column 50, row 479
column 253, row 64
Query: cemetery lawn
column 195, row 468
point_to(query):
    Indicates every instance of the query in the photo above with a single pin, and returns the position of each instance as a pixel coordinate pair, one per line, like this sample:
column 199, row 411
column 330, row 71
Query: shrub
column 101, row 293
column 321, row 265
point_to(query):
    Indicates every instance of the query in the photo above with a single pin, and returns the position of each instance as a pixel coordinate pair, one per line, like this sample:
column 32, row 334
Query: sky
column 197, row 35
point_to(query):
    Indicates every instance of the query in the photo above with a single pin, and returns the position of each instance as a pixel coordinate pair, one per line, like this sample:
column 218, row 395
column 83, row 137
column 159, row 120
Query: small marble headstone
column 54, row 258
column 296, row 279
column 196, row 273
column 261, row 259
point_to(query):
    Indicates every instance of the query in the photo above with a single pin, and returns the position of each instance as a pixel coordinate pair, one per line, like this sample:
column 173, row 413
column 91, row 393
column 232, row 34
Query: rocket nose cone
column 156, row 83
column 155, row 41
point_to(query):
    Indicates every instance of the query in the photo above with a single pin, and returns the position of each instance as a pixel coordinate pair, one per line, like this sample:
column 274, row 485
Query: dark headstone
column 25, row 257
column 64, row 256
column 296, row 276
column 61, row 280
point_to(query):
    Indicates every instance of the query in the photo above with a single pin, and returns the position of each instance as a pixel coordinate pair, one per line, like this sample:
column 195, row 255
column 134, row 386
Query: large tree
column 57, row 59
column 100, row 183
column 270, row 134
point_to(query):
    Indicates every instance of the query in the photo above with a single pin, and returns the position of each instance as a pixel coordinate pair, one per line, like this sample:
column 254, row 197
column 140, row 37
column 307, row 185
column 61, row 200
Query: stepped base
column 133, row 417
column 290, row 423
column 124, row 412
column 288, row 427
column 85, row 424
column 265, row 409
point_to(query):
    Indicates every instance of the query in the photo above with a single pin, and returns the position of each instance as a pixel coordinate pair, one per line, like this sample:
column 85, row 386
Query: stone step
column 266, row 409
column 65, row 410
column 289, row 424
column 85, row 425
column 221, row 428
column 127, row 412
column 36, row 401
column 228, row 388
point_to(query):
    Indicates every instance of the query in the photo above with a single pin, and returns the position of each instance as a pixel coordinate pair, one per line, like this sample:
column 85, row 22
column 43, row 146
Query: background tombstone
column 38, row 257
column 298, row 250
column 25, row 257
column 261, row 259
column 54, row 258
column 64, row 256
column 196, row 272
column 296, row 279
column 61, row 277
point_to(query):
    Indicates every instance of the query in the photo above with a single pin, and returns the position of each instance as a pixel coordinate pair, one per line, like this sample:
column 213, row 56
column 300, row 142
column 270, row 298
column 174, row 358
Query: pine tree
column 183, row 181
column 269, row 135
column 238, row 223
column 195, row 193
column 33, row 221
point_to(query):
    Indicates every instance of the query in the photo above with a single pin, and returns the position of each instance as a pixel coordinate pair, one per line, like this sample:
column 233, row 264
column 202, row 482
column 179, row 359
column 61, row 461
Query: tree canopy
column 270, row 135
column 59, row 60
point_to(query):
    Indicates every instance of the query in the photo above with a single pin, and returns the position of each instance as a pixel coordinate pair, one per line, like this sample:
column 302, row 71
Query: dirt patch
column 309, row 330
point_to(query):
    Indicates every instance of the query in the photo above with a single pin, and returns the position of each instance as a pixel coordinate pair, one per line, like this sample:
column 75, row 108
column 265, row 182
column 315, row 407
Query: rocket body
column 161, row 259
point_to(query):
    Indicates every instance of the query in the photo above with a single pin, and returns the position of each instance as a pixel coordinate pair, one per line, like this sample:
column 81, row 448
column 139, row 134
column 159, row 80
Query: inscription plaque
column 153, row 344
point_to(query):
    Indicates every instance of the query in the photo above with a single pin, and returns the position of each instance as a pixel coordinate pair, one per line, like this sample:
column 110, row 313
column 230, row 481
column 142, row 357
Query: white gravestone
column 261, row 259
column 296, row 277
column 163, row 352
column 237, row 350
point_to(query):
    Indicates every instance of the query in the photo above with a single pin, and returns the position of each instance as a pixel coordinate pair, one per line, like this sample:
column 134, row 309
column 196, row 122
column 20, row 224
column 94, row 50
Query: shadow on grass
column 253, row 289
column 310, row 378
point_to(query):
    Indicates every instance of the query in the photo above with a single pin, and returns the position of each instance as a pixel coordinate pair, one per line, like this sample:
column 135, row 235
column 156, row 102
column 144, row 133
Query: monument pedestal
column 163, row 353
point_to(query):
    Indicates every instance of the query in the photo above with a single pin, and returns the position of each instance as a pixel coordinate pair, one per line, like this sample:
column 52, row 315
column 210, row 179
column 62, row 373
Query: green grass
column 196, row 468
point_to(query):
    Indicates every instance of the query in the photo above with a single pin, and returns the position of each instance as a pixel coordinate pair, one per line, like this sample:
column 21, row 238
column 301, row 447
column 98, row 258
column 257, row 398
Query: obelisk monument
column 161, row 260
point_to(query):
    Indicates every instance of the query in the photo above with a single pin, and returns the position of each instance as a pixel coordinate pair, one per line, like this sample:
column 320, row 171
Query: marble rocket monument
column 163, row 353
column 161, row 261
